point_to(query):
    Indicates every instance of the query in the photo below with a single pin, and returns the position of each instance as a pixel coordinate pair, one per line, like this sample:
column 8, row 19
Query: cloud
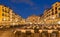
column 23, row 1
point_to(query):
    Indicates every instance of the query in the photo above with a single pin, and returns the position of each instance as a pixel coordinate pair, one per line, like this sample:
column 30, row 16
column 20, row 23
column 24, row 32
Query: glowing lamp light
column 16, row 20
column 30, row 23
column 4, row 19
column 39, row 23
column 53, row 17
column 13, row 23
column 11, row 19
column 58, row 22
column 45, row 20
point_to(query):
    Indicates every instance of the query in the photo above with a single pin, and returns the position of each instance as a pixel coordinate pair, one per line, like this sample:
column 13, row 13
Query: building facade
column 52, row 15
column 8, row 17
column 5, row 13
column 33, row 19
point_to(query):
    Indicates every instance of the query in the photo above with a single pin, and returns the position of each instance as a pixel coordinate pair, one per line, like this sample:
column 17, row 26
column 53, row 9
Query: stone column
column 32, row 33
column 40, row 31
column 36, row 34
column 58, row 33
column 49, row 33
column 23, row 33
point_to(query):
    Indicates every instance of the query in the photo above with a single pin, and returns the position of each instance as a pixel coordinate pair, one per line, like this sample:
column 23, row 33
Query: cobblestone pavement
column 10, row 33
column 31, row 31
column 6, row 33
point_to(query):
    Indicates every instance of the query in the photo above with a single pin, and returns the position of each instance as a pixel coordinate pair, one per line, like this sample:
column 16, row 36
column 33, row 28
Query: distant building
column 33, row 19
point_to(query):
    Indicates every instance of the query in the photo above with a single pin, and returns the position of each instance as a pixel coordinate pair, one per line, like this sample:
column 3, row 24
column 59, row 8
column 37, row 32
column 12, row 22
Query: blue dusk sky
column 25, row 8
